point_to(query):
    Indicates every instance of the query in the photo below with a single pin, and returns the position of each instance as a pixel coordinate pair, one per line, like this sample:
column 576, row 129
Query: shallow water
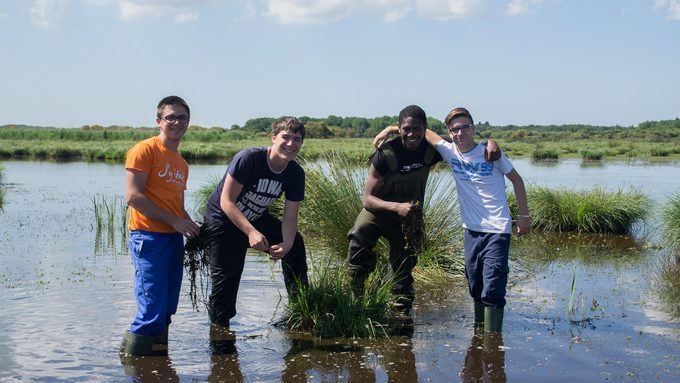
column 65, row 303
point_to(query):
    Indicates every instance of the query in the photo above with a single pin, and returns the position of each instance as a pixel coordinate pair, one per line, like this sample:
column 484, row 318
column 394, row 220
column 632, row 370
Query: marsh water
column 66, row 299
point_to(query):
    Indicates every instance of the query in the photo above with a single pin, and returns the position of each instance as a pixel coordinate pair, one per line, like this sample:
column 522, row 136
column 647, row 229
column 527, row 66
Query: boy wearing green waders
column 155, row 181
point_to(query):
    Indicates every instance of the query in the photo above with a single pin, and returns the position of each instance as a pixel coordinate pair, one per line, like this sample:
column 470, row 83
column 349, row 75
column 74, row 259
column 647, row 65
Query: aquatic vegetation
column 593, row 211
column 666, row 278
column 327, row 307
column 544, row 154
column 589, row 155
column 110, row 216
column 671, row 221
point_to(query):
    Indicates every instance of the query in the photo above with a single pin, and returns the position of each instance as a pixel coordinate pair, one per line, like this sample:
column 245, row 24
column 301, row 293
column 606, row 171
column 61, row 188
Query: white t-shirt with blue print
column 481, row 188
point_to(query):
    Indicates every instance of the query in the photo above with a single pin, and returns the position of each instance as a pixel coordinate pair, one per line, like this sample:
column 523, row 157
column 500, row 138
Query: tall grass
column 667, row 278
column 544, row 154
column 328, row 309
column 110, row 216
column 671, row 222
column 592, row 211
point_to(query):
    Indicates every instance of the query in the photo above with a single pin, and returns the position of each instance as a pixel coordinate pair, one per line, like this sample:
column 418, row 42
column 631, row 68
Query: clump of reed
column 667, row 282
column 671, row 221
column 327, row 308
column 591, row 155
column 592, row 211
column 544, row 155
column 110, row 216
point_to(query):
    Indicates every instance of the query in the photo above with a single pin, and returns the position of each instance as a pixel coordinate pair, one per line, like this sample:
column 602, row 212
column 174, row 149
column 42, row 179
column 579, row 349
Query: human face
column 462, row 133
column 173, row 131
column 411, row 131
column 286, row 145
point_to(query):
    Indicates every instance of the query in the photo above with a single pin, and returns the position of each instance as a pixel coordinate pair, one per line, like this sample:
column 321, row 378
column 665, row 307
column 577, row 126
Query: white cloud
column 444, row 10
column 179, row 10
column 672, row 6
column 308, row 11
column 389, row 10
column 44, row 13
column 520, row 7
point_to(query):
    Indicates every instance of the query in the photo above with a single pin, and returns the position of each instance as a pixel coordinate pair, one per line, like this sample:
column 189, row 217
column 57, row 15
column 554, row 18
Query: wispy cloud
column 308, row 11
column 671, row 6
column 180, row 10
column 444, row 10
column 520, row 7
column 44, row 13
column 322, row 11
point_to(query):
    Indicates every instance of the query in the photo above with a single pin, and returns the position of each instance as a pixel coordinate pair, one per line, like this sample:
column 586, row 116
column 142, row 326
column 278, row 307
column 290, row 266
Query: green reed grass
column 544, row 154
column 592, row 211
column 589, row 155
column 666, row 278
column 2, row 189
column 328, row 309
column 671, row 221
column 110, row 215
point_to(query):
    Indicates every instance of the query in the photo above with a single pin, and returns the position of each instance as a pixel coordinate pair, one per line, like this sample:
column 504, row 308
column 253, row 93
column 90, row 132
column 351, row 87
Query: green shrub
column 589, row 155
column 544, row 154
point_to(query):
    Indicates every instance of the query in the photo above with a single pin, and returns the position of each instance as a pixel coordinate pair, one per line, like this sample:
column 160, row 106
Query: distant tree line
column 357, row 127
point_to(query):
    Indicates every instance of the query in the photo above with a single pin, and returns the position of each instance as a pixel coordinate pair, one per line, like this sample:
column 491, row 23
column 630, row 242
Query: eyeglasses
column 183, row 119
column 458, row 129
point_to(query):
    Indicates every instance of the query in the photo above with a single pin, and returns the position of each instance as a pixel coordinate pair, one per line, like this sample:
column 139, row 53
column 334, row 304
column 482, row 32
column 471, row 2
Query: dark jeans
column 227, row 253
column 367, row 230
column 486, row 266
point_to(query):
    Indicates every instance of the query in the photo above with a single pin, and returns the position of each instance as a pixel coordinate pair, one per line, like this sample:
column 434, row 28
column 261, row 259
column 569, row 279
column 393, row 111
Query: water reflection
column 149, row 369
column 485, row 359
column 330, row 360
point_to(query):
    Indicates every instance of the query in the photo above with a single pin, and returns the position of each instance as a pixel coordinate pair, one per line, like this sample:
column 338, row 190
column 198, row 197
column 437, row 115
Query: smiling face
column 412, row 131
column 462, row 132
column 285, row 145
column 173, row 122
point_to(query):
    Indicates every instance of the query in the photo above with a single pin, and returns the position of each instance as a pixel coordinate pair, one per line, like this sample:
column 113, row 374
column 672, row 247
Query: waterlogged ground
column 66, row 299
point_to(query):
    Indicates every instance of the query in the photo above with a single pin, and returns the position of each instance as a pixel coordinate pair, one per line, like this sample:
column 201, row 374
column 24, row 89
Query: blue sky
column 69, row 63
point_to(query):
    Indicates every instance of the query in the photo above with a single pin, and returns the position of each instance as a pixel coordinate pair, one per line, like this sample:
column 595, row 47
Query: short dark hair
column 413, row 111
column 290, row 124
column 458, row 112
column 171, row 100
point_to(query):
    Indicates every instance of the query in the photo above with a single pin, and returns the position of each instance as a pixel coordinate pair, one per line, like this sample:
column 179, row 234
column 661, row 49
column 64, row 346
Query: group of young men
column 238, row 218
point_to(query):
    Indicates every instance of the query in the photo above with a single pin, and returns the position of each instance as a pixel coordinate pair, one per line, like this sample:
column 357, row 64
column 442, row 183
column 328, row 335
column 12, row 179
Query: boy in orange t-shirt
column 155, row 181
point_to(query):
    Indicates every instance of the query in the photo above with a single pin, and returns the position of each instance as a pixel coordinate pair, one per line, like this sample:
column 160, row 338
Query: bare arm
column 135, row 185
column 288, row 230
column 372, row 202
column 523, row 220
column 228, row 197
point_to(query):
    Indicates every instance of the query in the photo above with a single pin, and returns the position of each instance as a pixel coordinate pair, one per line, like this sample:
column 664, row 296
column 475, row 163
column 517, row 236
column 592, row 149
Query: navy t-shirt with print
column 261, row 186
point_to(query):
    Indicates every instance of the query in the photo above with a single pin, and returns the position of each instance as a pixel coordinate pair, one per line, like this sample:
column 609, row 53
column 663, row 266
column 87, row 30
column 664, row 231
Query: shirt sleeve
column 241, row 166
column 140, row 158
column 296, row 190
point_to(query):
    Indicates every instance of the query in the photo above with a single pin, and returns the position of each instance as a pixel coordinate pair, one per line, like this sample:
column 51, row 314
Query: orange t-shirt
column 167, row 180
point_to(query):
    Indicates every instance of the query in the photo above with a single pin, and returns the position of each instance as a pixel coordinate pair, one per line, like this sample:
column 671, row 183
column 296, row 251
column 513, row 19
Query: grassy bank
column 210, row 144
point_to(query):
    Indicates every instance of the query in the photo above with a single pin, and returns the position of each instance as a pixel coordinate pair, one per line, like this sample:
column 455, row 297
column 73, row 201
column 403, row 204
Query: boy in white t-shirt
column 480, row 185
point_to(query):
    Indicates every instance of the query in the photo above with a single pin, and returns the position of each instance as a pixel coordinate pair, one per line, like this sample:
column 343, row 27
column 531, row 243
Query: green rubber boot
column 140, row 345
column 493, row 319
column 479, row 314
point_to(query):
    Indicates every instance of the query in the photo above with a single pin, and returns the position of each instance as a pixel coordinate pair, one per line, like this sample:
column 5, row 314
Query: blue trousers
column 158, row 262
column 486, row 266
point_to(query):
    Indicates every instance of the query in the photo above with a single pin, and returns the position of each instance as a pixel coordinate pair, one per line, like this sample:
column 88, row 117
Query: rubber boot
column 493, row 319
column 160, row 344
column 137, row 345
column 479, row 314
column 222, row 340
